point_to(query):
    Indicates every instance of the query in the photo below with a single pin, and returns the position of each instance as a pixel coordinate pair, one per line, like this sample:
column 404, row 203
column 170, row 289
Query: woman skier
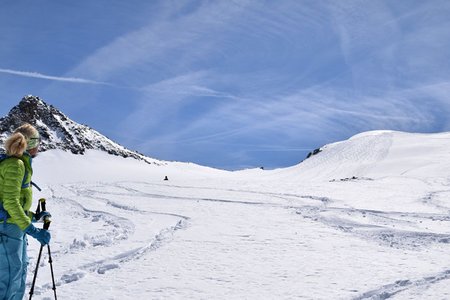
column 15, row 217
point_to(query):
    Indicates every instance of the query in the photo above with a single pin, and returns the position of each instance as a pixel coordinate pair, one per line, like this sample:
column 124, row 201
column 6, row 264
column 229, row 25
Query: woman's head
column 26, row 137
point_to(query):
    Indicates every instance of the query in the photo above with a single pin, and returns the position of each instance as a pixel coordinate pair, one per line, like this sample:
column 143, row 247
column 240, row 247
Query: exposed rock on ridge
column 59, row 132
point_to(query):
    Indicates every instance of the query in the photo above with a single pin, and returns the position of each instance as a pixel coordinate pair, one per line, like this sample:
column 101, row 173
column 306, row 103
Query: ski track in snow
column 381, row 226
column 391, row 229
column 123, row 228
column 389, row 290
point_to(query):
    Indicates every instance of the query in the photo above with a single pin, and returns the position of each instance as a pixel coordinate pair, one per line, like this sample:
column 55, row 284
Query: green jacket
column 15, row 199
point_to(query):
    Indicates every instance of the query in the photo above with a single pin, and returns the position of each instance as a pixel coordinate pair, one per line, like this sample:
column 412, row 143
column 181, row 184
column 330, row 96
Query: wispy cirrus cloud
column 169, row 45
column 310, row 115
column 49, row 77
column 260, row 77
column 207, row 79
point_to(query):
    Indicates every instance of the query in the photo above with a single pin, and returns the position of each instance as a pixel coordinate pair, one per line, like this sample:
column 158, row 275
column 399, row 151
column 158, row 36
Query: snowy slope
column 366, row 218
column 377, row 154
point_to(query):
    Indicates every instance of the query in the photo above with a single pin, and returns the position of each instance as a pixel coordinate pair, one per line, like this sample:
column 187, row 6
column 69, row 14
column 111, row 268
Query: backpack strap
column 24, row 184
column 36, row 186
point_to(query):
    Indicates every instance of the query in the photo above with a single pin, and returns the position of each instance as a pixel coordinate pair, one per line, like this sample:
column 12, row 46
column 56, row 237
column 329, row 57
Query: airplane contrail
column 48, row 77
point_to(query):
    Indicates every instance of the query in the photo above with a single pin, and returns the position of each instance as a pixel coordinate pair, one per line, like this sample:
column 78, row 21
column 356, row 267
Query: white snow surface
column 366, row 218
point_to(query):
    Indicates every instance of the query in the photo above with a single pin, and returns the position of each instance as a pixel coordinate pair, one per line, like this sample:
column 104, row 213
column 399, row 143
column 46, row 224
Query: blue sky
column 231, row 84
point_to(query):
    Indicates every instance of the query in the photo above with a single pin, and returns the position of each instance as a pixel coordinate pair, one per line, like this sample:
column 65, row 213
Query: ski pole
column 46, row 226
column 35, row 272
column 51, row 270
column 47, row 222
column 38, row 210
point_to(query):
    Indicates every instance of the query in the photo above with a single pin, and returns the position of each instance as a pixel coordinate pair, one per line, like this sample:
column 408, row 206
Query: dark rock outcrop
column 59, row 132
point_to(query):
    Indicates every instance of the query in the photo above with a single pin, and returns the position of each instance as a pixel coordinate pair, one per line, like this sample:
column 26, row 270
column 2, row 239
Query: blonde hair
column 17, row 143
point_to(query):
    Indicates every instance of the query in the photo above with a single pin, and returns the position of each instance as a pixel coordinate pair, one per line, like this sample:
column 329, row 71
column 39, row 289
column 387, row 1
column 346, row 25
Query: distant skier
column 15, row 217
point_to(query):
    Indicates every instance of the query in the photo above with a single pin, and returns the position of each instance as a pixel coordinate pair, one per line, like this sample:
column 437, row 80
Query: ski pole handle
column 38, row 208
column 47, row 220
column 42, row 202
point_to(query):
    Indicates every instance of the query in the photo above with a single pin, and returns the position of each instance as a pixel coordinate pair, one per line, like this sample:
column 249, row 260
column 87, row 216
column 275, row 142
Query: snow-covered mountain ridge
column 60, row 132
column 365, row 155
column 376, row 154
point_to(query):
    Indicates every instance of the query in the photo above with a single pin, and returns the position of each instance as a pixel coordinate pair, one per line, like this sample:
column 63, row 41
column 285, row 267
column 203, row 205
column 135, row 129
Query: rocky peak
column 60, row 132
column 31, row 108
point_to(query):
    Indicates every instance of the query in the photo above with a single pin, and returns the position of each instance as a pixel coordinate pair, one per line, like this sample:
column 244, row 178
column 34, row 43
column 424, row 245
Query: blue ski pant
column 13, row 262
